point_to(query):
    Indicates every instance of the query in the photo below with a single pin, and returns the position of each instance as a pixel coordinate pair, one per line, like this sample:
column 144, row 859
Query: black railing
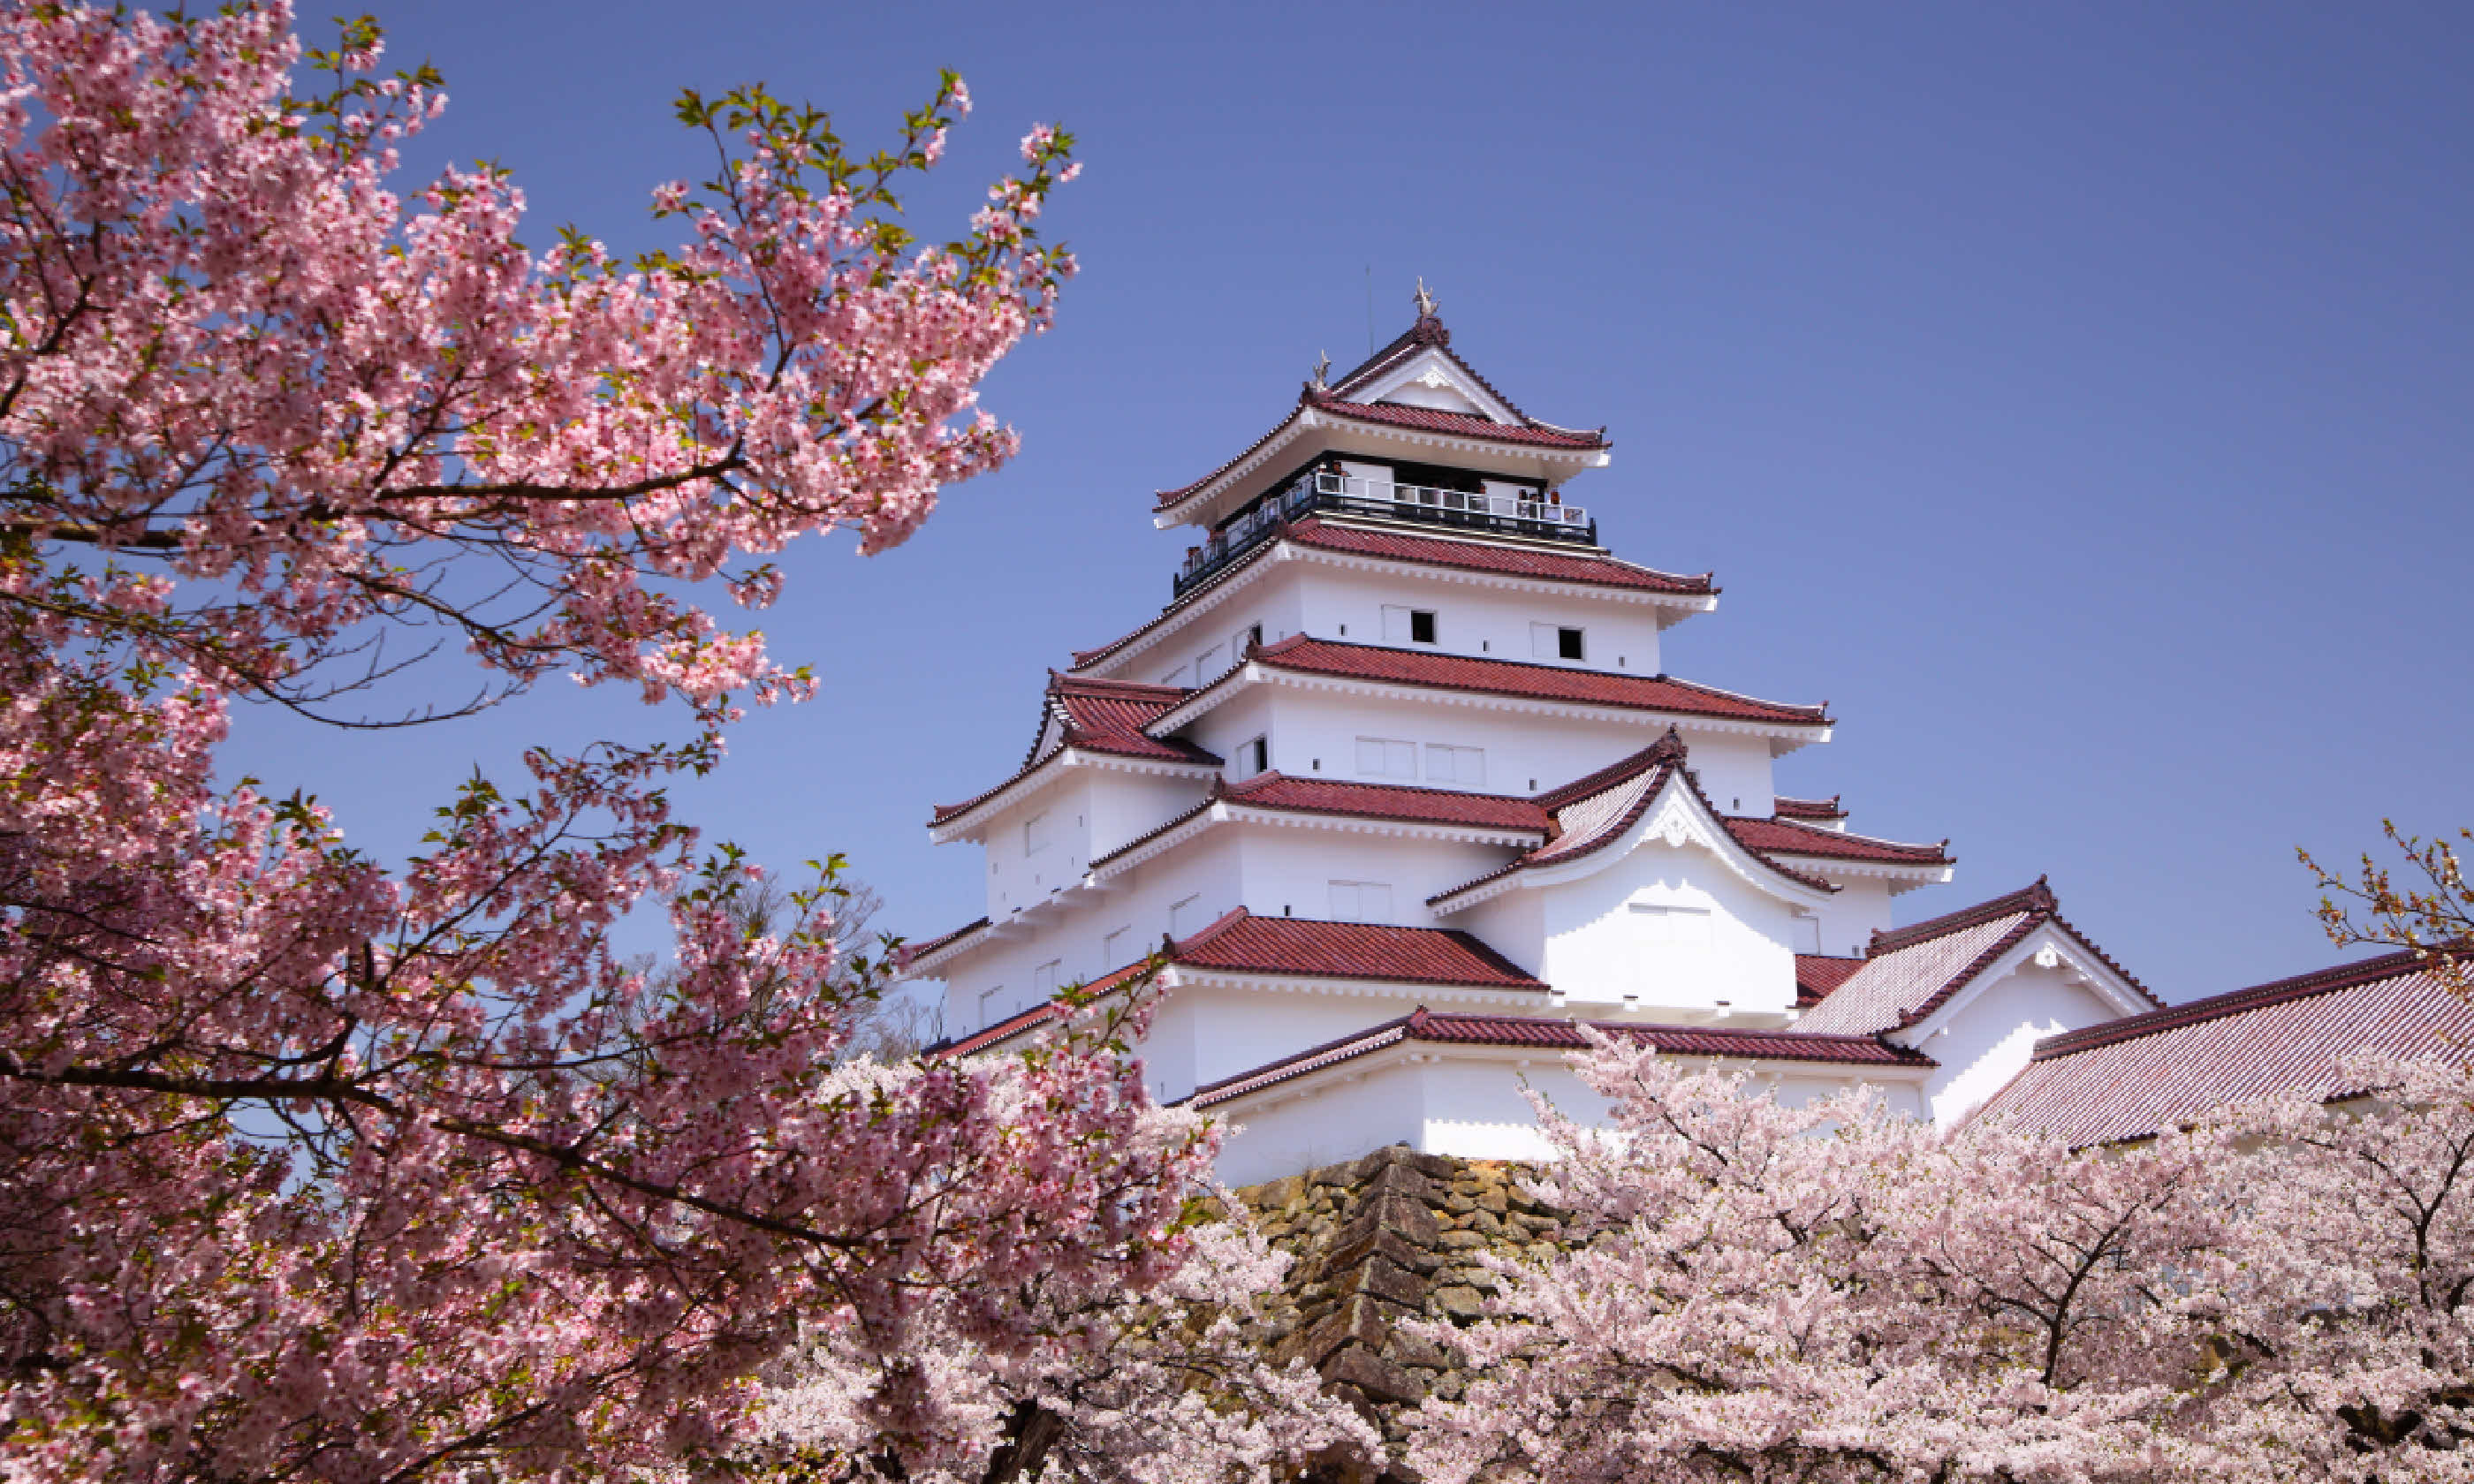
column 1456, row 508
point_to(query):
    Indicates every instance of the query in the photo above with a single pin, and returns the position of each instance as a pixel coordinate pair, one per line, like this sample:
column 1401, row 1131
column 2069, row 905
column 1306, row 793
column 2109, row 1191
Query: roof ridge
column 2217, row 1007
column 1668, row 748
column 1061, row 681
column 1209, row 932
column 2035, row 898
column 1819, row 833
column 1821, row 711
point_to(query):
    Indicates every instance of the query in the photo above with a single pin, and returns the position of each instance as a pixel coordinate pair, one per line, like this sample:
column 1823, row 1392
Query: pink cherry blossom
column 1835, row 1293
column 314, row 1169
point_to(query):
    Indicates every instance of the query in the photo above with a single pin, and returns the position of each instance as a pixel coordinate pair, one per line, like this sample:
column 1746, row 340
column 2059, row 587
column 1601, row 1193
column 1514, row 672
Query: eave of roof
column 1648, row 773
column 1787, row 837
column 2034, row 907
column 1511, row 562
column 1561, row 1036
column 1097, row 716
column 912, row 953
column 1829, row 808
column 2129, row 1079
column 1656, row 695
column 1428, row 333
column 2233, row 1002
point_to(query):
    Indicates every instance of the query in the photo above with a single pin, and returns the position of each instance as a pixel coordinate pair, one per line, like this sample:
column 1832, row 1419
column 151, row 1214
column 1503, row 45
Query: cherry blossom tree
column 1833, row 1292
column 314, row 1169
column 1164, row 1385
column 2422, row 903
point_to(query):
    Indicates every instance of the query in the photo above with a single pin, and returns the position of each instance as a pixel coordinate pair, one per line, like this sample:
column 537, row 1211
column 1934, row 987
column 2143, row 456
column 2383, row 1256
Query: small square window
column 1253, row 756
column 1568, row 643
column 1408, row 625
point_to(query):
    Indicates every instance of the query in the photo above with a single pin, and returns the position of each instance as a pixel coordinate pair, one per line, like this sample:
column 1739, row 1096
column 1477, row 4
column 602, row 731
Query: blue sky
column 2080, row 398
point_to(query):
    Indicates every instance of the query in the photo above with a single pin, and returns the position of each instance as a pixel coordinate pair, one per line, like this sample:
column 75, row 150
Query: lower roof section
column 2129, row 1078
column 1561, row 1036
column 1240, row 943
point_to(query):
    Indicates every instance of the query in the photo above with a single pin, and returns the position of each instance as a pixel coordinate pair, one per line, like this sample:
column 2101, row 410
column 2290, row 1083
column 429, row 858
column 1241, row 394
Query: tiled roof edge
column 2233, row 1002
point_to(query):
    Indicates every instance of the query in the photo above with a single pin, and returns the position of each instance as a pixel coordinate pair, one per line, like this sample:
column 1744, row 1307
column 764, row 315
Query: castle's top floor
column 1436, row 443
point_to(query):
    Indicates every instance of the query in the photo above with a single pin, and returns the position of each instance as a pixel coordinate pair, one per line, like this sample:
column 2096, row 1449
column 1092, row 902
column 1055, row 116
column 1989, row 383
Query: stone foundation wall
column 1390, row 1236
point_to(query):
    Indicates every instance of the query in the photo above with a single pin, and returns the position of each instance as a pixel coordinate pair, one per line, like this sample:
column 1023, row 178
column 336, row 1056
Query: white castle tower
column 1402, row 786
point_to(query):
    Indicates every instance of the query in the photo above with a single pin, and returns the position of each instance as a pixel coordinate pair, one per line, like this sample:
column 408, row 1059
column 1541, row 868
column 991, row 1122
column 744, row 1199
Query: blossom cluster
column 1832, row 1292
column 311, row 1168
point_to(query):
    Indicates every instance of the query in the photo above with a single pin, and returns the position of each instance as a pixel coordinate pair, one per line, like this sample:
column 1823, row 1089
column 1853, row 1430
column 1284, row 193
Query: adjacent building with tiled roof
column 2130, row 1078
column 1398, row 791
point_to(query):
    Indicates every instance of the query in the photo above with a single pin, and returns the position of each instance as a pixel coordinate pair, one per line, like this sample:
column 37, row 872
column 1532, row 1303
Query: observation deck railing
column 1457, row 509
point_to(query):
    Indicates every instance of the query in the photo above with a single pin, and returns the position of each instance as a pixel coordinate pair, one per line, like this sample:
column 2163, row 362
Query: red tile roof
column 1306, row 656
column 1242, row 943
column 1427, row 332
column 1594, row 812
column 1460, row 555
column 1464, row 425
column 1816, row 975
column 1808, row 808
column 2129, row 1078
column 911, row 952
column 1005, row 1029
column 1278, row 791
column 1388, row 800
column 1482, row 555
column 1909, row 974
column 1786, row 837
column 1095, row 716
column 1561, row 1037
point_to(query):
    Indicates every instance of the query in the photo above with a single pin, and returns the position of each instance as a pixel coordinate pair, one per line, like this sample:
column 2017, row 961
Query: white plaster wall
column 1598, row 949
column 1850, row 918
column 1313, row 734
column 1138, row 902
column 1239, row 1030
column 1468, row 1105
column 1470, row 619
column 1288, row 870
column 1513, row 924
column 1986, row 1040
column 1340, row 1122
column 1019, row 878
column 1307, row 596
column 1175, row 659
column 1125, row 806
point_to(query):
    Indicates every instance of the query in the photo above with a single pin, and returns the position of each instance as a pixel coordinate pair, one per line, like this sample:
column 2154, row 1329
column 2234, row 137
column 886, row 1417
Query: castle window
column 1361, row 902
column 1251, row 636
column 1383, row 758
column 1207, row 666
column 1552, row 642
column 1253, row 756
column 1461, row 765
column 1807, row 933
column 1043, row 979
column 1037, row 834
column 1112, row 948
column 992, row 1006
column 1408, row 625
